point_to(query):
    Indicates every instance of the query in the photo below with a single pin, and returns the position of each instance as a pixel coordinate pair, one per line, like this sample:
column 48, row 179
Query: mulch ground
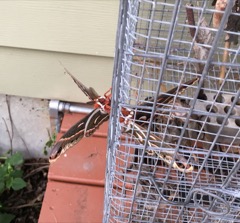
column 26, row 204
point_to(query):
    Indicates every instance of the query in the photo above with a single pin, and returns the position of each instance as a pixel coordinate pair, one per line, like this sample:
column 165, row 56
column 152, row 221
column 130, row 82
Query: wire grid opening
column 175, row 129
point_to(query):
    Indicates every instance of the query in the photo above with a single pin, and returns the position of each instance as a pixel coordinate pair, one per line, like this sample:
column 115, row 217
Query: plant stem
column 23, row 206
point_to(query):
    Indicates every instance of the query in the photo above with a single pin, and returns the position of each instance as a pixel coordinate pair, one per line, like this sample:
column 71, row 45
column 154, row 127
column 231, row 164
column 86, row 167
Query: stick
column 200, row 67
column 9, row 134
column 224, row 60
column 220, row 5
column 191, row 21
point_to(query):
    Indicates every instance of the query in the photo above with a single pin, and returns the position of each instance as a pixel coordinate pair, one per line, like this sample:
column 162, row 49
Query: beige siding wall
column 36, row 35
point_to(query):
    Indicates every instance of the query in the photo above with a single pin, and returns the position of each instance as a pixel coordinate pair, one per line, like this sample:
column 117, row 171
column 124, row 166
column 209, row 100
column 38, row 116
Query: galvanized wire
column 186, row 168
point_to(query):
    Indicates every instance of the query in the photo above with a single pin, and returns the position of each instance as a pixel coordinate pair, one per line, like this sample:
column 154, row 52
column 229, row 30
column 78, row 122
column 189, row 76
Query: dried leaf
column 204, row 36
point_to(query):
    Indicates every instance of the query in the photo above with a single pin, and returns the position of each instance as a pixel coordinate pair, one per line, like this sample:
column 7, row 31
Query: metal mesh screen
column 174, row 132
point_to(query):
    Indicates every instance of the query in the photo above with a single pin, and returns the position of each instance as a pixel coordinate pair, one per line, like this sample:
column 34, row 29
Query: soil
column 26, row 204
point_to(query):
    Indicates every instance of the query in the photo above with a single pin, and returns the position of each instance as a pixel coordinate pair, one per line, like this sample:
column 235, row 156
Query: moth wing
column 70, row 138
column 89, row 92
column 163, row 98
column 94, row 121
column 180, row 163
column 85, row 127
column 169, row 95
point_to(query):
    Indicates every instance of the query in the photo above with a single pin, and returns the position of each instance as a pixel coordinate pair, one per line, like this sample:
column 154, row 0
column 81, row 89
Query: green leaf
column 9, row 167
column 16, row 173
column 9, row 151
column 49, row 143
column 3, row 171
column 9, row 182
column 6, row 218
column 16, row 159
column 18, row 183
column 2, row 187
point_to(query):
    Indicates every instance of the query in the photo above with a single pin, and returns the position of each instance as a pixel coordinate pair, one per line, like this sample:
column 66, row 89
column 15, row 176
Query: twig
column 31, row 164
column 191, row 21
column 23, row 206
column 10, row 117
column 13, row 126
column 9, row 134
column 220, row 6
column 233, row 25
column 25, row 144
column 217, row 17
column 200, row 67
column 36, row 171
column 224, row 60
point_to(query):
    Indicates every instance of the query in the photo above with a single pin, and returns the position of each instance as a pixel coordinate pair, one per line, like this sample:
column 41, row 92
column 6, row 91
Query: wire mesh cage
column 174, row 136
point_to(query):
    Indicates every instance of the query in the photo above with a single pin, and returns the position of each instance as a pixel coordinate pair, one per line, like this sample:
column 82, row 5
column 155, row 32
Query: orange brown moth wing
column 89, row 92
column 83, row 128
column 140, row 134
column 163, row 99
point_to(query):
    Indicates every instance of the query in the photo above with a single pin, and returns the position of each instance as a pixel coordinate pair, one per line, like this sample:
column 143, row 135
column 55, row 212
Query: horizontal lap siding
column 82, row 27
column 36, row 35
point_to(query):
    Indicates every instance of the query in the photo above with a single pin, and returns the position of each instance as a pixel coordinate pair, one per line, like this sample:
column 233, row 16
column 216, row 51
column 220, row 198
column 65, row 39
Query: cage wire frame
column 184, row 166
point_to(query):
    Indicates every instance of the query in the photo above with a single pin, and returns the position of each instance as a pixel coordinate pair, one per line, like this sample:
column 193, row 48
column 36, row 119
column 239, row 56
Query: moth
column 180, row 163
column 86, row 126
column 138, row 130
column 102, row 107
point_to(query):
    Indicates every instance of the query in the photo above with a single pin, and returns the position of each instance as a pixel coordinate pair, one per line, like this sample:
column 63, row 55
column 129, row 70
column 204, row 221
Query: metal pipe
column 57, row 108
